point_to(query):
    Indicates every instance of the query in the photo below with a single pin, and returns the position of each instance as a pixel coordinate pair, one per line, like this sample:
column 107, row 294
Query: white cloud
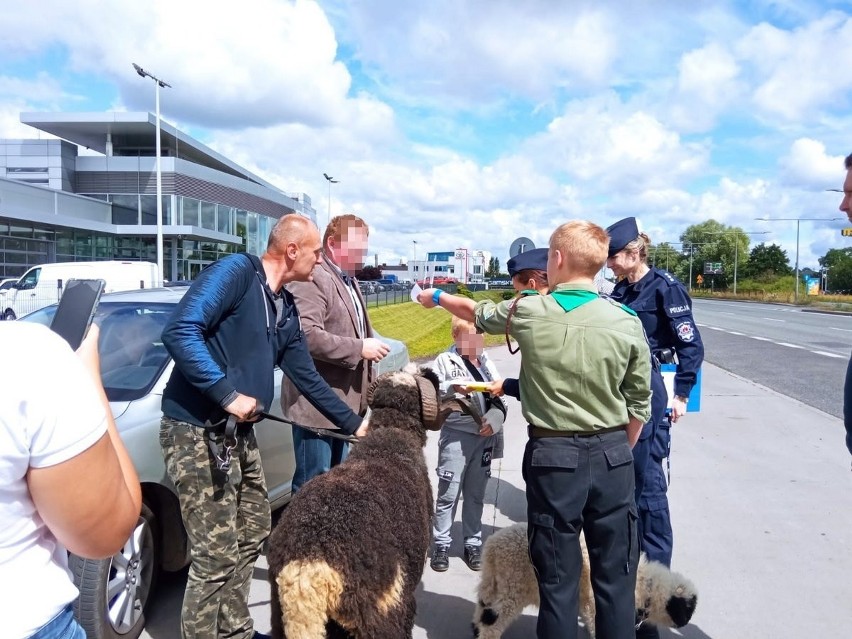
column 808, row 166
column 707, row 84
column 257, row 62
column 606, row 145
column 480, row 49
column 799, row 72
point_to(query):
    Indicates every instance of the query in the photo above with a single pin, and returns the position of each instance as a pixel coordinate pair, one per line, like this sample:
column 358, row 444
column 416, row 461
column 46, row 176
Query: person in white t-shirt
column 66, row 480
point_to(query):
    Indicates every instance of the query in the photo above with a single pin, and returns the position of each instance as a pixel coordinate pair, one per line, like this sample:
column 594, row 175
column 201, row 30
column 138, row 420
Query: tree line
column 713, row 244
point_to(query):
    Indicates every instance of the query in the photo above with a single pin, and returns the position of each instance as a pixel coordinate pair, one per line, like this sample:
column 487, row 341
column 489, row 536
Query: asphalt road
column 790, row 350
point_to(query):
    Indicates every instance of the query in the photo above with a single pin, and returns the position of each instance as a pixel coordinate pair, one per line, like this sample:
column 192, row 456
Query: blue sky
column 471, row 122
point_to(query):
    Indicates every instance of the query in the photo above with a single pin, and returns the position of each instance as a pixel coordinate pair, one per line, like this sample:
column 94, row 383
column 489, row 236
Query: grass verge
column 425, row 331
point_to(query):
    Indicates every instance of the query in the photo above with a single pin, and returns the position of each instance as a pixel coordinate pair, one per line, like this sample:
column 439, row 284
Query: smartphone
column 76, row 309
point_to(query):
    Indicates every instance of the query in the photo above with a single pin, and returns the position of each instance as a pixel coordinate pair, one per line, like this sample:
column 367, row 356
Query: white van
column 43, row 285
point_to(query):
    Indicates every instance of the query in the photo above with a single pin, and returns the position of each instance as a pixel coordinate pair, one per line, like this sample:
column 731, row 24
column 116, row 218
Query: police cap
column 621, row 234
column 534, row 259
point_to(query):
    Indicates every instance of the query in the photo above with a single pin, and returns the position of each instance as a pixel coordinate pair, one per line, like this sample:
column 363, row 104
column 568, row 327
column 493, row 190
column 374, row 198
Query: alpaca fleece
column 348, row 552
column 508, row 584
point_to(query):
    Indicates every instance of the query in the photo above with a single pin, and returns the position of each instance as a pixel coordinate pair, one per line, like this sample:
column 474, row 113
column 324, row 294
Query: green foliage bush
column 464, row 291
column 507, row 295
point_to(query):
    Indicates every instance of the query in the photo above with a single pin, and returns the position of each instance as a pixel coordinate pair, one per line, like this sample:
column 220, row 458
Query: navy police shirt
column 665, row 309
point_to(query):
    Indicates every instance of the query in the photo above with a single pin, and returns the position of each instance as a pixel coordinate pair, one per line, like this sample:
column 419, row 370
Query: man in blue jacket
column 846, row 207
column 231, row 328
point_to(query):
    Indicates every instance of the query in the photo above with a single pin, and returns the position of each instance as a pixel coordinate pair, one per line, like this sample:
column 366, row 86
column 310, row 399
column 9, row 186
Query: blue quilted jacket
column 226, row 335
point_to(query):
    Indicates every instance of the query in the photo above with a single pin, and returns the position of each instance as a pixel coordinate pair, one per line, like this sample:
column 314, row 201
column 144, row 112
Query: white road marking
column 773, row 319
column 845, row 330
column 835, row 355
column 766, row 339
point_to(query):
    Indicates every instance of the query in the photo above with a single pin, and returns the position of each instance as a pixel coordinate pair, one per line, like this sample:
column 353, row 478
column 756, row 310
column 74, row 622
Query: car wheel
column 114, row 592
column 9, row 315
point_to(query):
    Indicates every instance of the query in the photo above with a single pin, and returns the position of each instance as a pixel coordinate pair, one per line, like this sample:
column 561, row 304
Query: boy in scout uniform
column 585, row 393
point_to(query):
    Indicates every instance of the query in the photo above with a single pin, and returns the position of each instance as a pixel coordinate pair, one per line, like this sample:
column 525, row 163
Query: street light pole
column 414, row 265
column 798, row 221
column 691, row 251
column 331, row 181
column 157, row 84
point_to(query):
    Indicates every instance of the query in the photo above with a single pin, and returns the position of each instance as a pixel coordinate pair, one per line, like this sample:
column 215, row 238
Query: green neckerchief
column 572, row 298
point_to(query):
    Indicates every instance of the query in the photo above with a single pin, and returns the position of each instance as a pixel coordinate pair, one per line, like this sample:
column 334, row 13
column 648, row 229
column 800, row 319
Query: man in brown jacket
column 334, row 319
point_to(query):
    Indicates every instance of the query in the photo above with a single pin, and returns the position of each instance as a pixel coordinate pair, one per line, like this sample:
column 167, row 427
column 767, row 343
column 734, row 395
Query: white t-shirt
column 49, row 413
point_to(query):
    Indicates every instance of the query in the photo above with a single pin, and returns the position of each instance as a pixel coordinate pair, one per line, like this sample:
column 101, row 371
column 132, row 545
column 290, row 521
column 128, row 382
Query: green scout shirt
column 585, row 369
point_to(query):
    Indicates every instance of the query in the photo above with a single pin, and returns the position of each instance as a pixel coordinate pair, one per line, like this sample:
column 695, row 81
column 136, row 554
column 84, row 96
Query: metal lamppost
column 331, row 181
column 157, row 84
column 797, row 220
column 414, row 262
column 461, row 253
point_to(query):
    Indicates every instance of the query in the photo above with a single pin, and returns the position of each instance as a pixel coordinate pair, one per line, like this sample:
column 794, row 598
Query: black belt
column 535, row 431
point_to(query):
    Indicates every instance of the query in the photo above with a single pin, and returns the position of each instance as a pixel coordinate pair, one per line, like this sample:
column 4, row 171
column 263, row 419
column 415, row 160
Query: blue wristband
column 436, row 297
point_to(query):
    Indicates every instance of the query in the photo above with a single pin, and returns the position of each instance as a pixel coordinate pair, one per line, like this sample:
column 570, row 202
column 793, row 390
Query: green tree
column 666, row 257
column 493, row 269
column 835, row 257
column 712, row 241
column 839, row 265
column 766, row 263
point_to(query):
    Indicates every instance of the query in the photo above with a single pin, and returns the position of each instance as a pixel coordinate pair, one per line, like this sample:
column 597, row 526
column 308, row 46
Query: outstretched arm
column 458, row 305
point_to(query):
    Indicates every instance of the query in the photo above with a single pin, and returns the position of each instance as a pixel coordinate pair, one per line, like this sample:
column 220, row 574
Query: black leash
column 322, row 432
column 223, row 457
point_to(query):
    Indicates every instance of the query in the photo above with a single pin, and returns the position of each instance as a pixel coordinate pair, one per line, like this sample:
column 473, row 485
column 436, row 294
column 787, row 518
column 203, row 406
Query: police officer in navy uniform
column 665, row 309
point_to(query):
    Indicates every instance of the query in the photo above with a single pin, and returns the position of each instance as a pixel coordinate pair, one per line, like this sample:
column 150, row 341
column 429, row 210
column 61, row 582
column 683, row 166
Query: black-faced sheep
column 508, row 585
column 348, row 552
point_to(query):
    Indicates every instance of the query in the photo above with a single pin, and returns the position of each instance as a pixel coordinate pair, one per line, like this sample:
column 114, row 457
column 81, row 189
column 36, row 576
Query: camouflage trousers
column 227, row 518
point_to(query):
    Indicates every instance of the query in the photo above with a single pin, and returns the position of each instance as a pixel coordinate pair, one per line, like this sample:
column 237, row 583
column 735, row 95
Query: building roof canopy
column 136, row 131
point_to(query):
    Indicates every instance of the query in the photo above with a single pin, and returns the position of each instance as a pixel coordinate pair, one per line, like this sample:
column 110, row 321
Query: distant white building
column 464, row 265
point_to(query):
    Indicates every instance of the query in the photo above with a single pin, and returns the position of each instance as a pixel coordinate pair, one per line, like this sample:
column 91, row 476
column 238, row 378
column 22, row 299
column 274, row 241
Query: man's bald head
column 289, row 229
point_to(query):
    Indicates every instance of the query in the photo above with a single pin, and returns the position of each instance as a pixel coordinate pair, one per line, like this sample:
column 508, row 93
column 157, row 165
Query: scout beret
column 621, row 234
column 534, row 259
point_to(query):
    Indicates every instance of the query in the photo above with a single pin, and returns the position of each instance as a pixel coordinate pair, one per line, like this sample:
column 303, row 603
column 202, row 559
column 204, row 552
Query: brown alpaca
column 348, row 552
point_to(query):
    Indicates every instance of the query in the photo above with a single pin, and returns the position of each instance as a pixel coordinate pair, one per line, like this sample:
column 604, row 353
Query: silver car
column 135, row 366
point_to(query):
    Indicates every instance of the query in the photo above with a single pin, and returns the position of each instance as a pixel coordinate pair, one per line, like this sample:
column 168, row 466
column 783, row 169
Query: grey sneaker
column 440, row 559
column 473, row 557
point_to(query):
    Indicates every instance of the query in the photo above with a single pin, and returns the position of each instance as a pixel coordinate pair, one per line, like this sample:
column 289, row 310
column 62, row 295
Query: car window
column 30, row 279
column 130, row 345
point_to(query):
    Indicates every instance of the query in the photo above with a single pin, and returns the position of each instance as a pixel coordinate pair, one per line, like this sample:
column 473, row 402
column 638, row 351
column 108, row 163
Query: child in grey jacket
column 468, row 442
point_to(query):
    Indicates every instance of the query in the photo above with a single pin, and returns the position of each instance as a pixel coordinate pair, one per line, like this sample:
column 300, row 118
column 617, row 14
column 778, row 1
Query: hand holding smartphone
column 77, row 309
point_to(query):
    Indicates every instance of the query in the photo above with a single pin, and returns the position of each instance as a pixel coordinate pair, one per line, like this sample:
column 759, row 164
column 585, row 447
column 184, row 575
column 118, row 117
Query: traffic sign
column 846, row 232
column 520, row 245
column 712, row 268
column 699, row 280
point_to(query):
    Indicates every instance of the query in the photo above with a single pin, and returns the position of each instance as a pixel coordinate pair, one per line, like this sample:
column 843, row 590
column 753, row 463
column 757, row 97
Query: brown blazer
column 330, row 323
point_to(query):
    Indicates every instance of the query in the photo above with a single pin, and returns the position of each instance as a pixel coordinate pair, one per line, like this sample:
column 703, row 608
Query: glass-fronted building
column 58, row 203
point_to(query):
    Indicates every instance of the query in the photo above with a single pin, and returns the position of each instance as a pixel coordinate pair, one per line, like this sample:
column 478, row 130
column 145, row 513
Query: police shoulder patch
column 685, row 331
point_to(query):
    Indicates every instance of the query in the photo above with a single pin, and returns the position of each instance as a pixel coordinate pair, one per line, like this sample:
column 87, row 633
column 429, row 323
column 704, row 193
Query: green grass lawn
column 426, row 331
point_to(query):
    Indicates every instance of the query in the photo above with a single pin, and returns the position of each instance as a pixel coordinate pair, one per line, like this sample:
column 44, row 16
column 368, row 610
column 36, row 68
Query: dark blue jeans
column 315, row 455
column 62, row 626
